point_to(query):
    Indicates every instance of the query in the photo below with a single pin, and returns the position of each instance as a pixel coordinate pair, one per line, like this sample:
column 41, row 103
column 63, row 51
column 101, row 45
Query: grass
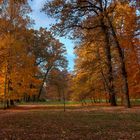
column 55, row 102
column 135, row 101
column 104, row 123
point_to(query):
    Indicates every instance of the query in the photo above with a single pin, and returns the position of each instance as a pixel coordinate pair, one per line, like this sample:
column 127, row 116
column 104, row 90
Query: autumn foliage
column 107, row 48
column 27, row 55
column 107, row 32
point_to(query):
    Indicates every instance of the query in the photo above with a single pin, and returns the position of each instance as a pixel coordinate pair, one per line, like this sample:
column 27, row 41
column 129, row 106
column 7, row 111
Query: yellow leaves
column 2, row 79
column 21, row 69
column 124, row 20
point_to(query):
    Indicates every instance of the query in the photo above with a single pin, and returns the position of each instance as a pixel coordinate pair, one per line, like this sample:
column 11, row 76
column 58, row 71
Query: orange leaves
column 126, row 16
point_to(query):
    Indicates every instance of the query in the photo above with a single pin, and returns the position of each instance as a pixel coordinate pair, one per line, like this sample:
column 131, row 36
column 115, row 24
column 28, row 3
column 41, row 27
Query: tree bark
column 8, row 105
column 109, row 64
column 64, row 100
column 5, row 88
column 12, row 103
column 123, row 68
column 40, row 91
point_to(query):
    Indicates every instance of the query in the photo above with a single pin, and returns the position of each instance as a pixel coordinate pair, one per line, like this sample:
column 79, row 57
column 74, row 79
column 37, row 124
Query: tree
column 78, row 15
column 92, row 15
column 14, row 18
column 49, row 54
column 90, row 78
column 27, row 55
column 58, row 81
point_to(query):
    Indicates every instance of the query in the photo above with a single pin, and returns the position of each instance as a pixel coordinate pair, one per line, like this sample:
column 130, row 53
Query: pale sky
column 41, row 20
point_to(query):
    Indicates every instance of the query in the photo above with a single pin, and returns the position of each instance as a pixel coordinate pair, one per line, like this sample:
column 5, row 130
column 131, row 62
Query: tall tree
column 49, row 53
column 72, row 16
column 14, row 17
column 92, row 15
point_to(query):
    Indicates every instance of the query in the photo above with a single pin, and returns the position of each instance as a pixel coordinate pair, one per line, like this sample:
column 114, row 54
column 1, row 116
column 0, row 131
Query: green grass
column 70, row 103
column 135, row 101
column 54, row 102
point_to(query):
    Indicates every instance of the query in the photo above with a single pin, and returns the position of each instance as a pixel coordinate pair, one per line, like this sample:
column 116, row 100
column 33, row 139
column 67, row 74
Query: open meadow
column 50, row 122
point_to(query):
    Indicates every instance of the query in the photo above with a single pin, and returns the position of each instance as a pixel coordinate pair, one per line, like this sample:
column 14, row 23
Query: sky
column 41, row 20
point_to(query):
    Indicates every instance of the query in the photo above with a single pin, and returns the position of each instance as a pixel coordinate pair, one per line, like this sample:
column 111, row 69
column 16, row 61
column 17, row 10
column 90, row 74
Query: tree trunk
column 40, row 91
column 5, row 88
column 34, row 98
column 64, row 100
column 29, row 98
column 95, row 100
column 112, row 100
column 59, row 94
column 91, row 101
column 12, row 103
column 109, row 64
column 123, row 68
column 8, row 105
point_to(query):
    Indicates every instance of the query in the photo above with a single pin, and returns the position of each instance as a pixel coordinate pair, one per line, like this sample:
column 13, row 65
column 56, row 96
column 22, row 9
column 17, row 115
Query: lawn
column 55, row 102
column 77, row 123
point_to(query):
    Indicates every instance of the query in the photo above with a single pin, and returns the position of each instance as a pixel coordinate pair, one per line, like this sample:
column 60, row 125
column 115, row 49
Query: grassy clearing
column 55, row 102
column 104, row 123
column 51, row 103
